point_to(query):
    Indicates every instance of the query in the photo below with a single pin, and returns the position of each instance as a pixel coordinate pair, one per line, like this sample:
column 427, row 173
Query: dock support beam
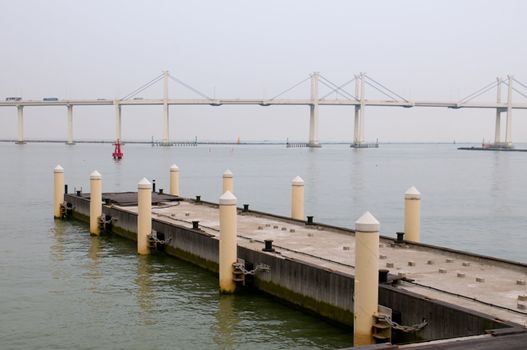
column 313, row 115
column 118, row 122
column 366, row 287
column 95, row 202
column 165, row 110
column 228, row 182
column 497, row 133
column 144, row 215
column 70, row 125
column 228, row 245
column 508, row 127
column 20, row 112
column 58, row 193
column 412, row 215
column 174, row 180
column 297, row 198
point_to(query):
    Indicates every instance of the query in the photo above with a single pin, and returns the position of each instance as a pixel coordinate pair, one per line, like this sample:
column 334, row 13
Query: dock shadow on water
column 120, row 299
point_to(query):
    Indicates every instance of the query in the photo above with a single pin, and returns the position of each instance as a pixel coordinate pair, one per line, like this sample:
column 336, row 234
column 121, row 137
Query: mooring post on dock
column 228, row 244
column 366, row 286
column 412, row 215
column 297, row 198
column 144, row 215
column 228, row 182
column 95, row 202
column 174, row 180
column 58, row 197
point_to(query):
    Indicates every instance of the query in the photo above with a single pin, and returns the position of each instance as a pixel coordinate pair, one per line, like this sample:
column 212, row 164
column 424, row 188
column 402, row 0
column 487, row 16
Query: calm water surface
column 62, row 289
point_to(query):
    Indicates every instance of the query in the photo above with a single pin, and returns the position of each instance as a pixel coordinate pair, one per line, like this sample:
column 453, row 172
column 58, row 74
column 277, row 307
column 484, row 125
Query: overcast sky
column 254, row 49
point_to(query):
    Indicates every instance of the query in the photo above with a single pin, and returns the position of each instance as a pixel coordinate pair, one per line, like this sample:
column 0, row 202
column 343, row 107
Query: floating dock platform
column 468, row 301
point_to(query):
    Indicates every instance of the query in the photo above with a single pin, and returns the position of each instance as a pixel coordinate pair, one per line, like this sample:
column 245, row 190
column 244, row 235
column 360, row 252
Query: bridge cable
column 478, row 92
column 343, row 92
column 521, row 93
column 382, row 92
column 519, row 82
column 291, row 88
column 190, row 88
column 338, row 89
column 143, row 87
column 384, row 87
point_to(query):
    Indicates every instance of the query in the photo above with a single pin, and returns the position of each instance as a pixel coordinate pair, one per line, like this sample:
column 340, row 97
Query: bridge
column 342, row 97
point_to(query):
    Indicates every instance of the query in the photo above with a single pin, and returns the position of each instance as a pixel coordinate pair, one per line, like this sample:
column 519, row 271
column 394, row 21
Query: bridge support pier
column 313, row 115
column 358, row 132
column 508, row 127
column 70, row 125
column 497, row 133
column 165, row 141
column 117, row 121
column 20, row 112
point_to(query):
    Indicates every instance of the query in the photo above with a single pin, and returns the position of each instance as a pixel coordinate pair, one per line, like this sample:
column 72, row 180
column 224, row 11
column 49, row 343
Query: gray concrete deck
column 494, row 293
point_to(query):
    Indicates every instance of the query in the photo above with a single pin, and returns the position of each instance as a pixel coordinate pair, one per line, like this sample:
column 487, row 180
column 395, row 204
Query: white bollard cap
column 95, row 175
column 228, row 199
column 174, row 168
column 298, row 181
column 58, row 169
column 144, row 184
column 412, row 193
column 367, row 223
column 227, row 173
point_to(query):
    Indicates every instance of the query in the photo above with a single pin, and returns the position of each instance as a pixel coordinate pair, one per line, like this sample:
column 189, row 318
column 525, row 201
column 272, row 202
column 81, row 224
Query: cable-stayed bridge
column 342, row 97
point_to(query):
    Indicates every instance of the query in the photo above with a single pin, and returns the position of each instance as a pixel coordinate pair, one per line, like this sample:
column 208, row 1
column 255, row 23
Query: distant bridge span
column 357, row 100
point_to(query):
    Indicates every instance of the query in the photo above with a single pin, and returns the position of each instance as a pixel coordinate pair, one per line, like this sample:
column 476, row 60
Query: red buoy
column 117, row 154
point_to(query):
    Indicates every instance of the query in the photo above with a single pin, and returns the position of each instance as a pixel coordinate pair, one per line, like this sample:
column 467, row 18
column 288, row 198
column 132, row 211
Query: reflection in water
column 499, row 172
column 57, row 249
column 94, row 273
column 228, row 320
column 145, row 295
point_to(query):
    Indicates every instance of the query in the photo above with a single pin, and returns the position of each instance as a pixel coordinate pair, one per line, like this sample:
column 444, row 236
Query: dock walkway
column 483, row 284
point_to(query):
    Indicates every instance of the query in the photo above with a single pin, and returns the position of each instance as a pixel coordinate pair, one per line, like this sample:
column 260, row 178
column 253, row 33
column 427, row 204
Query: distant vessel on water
column 117, row 153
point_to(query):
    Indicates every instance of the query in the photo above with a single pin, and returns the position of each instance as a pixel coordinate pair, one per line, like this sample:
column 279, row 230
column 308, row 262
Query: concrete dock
column 459, row 294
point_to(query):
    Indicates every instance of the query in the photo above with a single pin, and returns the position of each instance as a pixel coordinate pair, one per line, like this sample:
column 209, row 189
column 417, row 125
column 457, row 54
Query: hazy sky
column 254, row 49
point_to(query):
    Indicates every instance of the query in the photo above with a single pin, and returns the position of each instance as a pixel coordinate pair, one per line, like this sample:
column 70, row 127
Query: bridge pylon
column 313, row 112
column 166, row 134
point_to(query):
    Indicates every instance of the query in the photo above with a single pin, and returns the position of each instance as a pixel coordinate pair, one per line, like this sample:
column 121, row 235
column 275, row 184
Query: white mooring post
column 412, row 215
column 95, row 202
column 297, row 198
column 366, row 287
column 144, row 215
column 174, row 180
column 58, row 193
column 228, row 244
column 228, row 182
